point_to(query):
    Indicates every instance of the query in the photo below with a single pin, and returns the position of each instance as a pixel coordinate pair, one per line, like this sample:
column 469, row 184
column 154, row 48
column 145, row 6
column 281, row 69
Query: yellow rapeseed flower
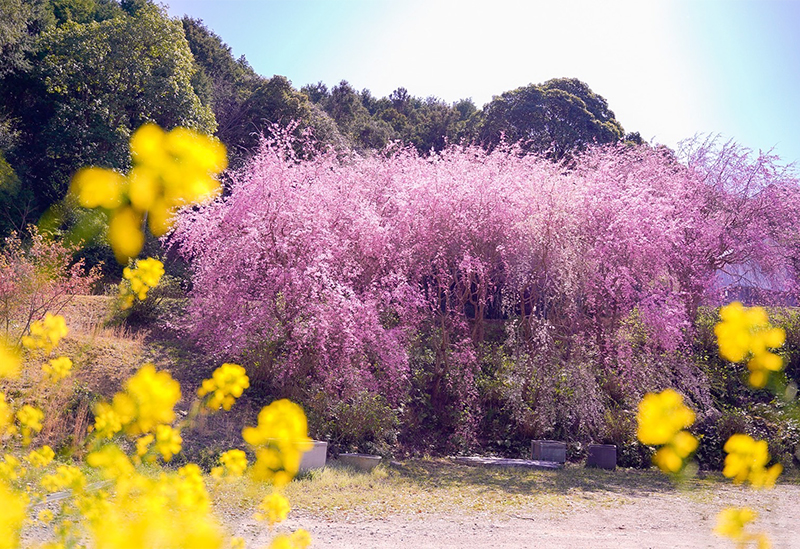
column 731, row 523
column 57, row 368
column 10, row 468
column 30, row 420
column 191, row 490
column 112, row 462
column 171, row 511
column 45, row 334
column 744, row 332
column 226, row 385
column 66, row 476
column 168, row 441
column 170, row 169
column 234, row 464
column 661, row 418
column 279, row 439
column 10, row 362
column 92, row 505
column 107, row 422
column 45, row 516
column 125, row 233
column 98, row 188
column 6, row 417
column 41, row 457
column 746, row 461
column 148, row 401
column 138, row 280
column 274, row 508
column 143, row 444
column 299, row 539
column 174, row 168
column 14, row 506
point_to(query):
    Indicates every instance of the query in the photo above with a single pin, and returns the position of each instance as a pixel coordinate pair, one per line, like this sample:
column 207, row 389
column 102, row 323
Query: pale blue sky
column 668, row 68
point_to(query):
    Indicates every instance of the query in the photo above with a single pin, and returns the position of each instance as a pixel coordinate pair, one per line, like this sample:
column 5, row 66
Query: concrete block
column 549, row 450
column 603, row 456
column 316, row 457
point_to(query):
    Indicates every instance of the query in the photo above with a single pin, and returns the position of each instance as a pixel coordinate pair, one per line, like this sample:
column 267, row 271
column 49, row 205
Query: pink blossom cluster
column 337, row 265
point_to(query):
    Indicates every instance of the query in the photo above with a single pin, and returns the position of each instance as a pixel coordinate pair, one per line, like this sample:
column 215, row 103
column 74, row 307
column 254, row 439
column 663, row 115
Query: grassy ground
column 439, row 485
column 104, row 357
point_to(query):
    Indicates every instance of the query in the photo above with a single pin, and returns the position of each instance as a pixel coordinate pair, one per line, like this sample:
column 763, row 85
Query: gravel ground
column 587, row 520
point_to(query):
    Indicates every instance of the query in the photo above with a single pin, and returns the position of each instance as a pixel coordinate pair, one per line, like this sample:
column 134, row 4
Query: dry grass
column 439, row 485
column 103, row 357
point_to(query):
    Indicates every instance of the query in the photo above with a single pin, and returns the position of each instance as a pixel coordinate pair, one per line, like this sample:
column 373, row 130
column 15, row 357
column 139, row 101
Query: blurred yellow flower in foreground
column 111, row 461
column 41, row 457
column 172, row 510
column 66, row 476
column 731, row 523
column 170, row 170
column 10, row 468
column 746, row 331
column 226, row 385
column 148, row 400
column 280, row 439
column 746, row 461
column 57, row 368
column 274, row 508
column 661, row 419
column 14, row 506
column 45, row 334
column 6, row 417
column 168, row 441
column 10, row 360
column 98, row 188
column 30, row 420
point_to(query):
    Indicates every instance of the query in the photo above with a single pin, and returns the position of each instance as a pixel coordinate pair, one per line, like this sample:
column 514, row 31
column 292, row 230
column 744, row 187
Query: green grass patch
column 439, row 485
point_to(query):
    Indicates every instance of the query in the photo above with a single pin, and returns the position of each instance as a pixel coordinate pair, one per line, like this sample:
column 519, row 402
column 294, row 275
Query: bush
column 620, row 430
column 363, row 423
column 38, row 275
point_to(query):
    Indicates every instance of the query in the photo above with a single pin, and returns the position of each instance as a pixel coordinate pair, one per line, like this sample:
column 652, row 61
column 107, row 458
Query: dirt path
column 592, row 521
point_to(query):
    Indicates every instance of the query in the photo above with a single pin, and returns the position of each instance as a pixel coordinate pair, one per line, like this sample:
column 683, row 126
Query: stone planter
column 315, row 458
column 549, row 450
column 362, row 462
column 603, row 456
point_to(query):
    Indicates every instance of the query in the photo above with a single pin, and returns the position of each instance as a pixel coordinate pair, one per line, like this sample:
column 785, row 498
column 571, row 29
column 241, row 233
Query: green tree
column 84, row 11
column 94, row 84
column 556, row 118
column 20, row 22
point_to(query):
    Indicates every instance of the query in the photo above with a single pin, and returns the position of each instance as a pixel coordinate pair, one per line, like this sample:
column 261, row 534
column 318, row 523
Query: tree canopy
column 556, row 118
column 99, row 73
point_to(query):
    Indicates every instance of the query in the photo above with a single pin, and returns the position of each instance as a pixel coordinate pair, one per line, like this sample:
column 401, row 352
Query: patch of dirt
column 591, row 521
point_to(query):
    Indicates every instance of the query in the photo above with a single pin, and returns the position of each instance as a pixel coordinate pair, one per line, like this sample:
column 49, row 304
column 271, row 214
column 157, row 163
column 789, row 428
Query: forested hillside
column 77, row 77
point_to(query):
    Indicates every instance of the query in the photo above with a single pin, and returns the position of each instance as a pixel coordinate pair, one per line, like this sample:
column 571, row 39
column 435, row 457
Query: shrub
column 38, row 275
column 363, row 423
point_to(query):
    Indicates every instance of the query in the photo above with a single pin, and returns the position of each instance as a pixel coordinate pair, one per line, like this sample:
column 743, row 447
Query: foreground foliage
column 168, row 508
